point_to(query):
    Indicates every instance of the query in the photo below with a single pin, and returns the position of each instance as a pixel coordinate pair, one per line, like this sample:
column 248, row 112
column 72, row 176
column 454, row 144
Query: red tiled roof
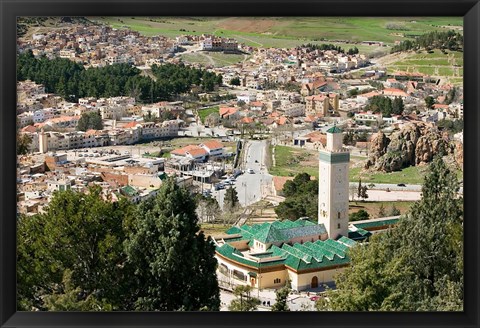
column 227, row 111
column 369, row 94
column 197, row 152
column 316, row 136
column 282, row 120
column 212, row 144
column 247, row 120
column 182, row 151
column 394, row 92
column 29, row 128
column 130, row 125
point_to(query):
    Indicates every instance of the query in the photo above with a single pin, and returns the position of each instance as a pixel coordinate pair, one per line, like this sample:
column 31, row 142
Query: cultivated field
column 285, row 32
column 448, row 65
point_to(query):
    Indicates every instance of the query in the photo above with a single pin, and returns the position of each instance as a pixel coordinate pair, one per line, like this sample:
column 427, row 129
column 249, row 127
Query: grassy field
column 289, row 161
column 203, row 113
column 217, row 59
column 212, row 229
column 373, row 207
column 196, row 58
column 409, row 175
column 286, row 31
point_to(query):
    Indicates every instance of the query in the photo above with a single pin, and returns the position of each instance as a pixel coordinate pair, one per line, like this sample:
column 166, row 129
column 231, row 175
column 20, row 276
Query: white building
column 333, row 185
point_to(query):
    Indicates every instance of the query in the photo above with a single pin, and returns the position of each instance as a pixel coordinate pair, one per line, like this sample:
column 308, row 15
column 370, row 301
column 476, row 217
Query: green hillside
column 289, row 31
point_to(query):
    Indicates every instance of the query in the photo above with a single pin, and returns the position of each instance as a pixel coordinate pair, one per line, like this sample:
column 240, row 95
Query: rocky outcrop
column 458, row 153
column 378, row 147
column 414, row 144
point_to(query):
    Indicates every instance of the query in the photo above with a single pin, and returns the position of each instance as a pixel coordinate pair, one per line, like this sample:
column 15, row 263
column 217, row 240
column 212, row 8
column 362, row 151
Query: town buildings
column 308, row 254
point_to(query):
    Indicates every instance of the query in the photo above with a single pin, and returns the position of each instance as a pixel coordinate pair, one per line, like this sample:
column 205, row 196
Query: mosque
column 308, row 254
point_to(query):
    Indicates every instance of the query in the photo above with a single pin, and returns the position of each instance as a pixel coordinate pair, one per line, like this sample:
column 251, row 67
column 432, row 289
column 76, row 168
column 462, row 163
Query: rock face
column 458, row 153
column 378, row 148
column 414, row 144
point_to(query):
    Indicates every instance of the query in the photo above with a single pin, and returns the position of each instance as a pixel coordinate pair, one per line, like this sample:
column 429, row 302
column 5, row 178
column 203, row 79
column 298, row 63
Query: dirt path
column 250, row 40
column 210, row 59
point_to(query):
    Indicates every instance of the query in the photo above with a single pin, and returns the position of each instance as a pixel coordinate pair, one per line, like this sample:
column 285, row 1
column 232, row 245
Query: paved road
column 296, row 302
column 251, row 186
column 384, row 196
column 395, row 187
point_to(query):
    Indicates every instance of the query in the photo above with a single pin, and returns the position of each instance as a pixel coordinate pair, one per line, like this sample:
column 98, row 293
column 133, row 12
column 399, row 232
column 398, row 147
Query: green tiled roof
column 359, row 234
column 282, row 231
column 374, row 224
column 129, row 191
column 346, row 241
column 318, row 254
column 334, row 129
column 163, row 176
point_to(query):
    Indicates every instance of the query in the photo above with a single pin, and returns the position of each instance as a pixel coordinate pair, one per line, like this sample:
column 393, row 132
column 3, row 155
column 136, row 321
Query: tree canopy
column 174, row 262
column 76, row 245
column 384, row 105
column 450, row 40
column 230, row 201
column 301, row 198
column 415, row 266
column 91, row 254
column 91, row 120
column 244, row 300
column 72, row 81
column 282, row 298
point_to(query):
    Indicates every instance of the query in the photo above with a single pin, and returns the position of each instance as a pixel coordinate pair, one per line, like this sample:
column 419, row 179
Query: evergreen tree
column 282, row 298
column 174, row 263
column 92, row 120
column 397, row 106
column 360, row 188
column 301, row 198
column 415, row 266
column 230, row 201
column 79, row 233
column 429, row 102
column 244, row 300
column 359, row 215
column 235, row 81
column 394, row 211
column 381, row 211
column 364, row 194
column 23, row 143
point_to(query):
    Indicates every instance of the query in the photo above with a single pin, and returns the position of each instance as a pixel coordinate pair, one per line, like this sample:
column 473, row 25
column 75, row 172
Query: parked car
column 251, row 171
column 219, row 186
column 314, row 298
column 401, row 185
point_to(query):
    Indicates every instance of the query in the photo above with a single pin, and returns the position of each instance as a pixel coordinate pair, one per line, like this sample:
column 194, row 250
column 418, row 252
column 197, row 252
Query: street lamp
column 244, row 184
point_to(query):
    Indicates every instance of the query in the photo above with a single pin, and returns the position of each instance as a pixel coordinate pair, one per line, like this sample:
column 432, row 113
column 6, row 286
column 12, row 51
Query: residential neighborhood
column 295, row 156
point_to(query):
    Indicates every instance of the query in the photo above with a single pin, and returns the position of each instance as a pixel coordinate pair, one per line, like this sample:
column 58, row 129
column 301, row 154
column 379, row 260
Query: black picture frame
column 10, row 9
